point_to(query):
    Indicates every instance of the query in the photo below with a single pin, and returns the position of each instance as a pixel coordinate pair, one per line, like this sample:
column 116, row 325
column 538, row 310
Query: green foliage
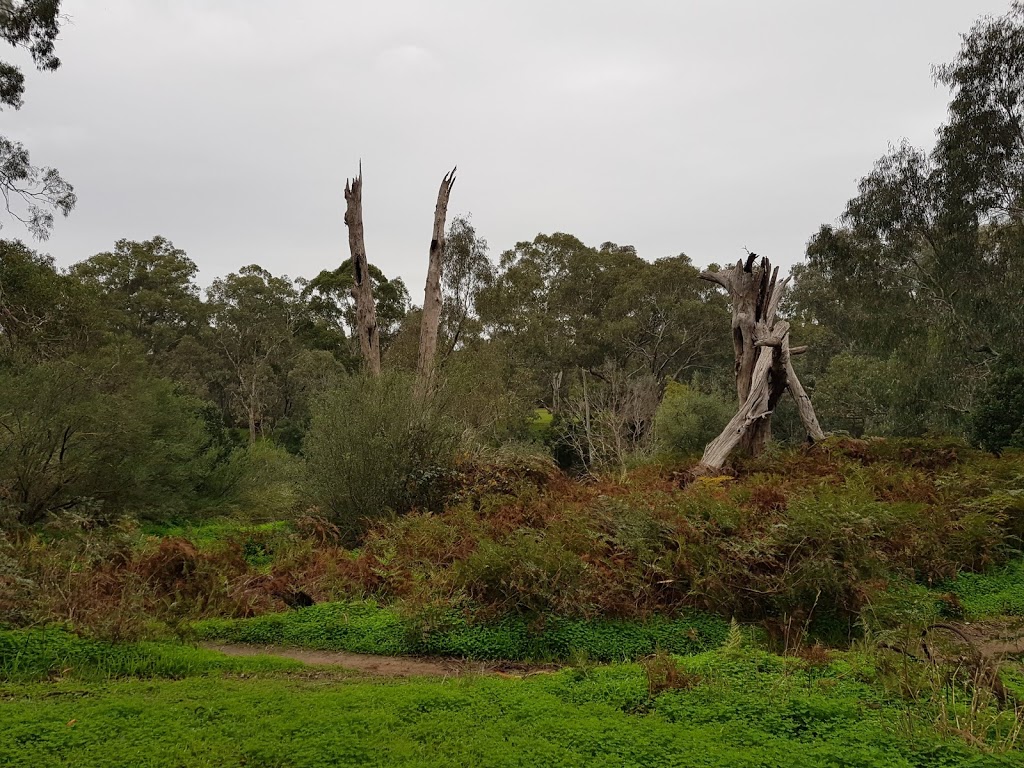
column 259, row 481
column 557, row 305
column 330, row 318
column 210, row 534
column 467, row 268
column 904, row 607
column 540, row 425
column 688, row 419
column 38, row 654
column 980, row 147
column 855, row 394
column 998, row 421
column 364, row 627
column 373, row 449
column 313, row 372
column 996, row 593
column 359, row 627
column 254, row 316
column 927, row 265
column 32, row 195
column 491, row 407
column 530, row 571
column 45, row 314
column 752, row 709
column 95, row 430
column 149, row 289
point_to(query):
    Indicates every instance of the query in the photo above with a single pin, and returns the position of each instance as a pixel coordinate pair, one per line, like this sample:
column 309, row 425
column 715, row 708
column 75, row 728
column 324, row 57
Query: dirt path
column 994, row 637
column 388, row 666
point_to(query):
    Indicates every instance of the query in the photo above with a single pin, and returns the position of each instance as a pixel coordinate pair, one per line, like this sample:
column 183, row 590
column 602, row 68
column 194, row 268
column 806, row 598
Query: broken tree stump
column 764, row 369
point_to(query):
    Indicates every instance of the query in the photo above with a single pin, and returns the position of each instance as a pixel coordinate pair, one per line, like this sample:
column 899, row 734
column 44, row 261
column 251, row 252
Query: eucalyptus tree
column 330, row 319
column 467, row 268
column 254, row 317
column 150, row 289
column 32, row 194
column 928, row 262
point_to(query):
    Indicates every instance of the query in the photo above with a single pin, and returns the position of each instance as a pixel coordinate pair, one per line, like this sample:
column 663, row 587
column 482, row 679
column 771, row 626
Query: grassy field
column 722, row 708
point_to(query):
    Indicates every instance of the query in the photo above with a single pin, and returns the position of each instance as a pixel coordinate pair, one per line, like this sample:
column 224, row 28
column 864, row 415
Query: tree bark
column 804, row 407
column 362, row 291
column 431, row 319
column 764, row 370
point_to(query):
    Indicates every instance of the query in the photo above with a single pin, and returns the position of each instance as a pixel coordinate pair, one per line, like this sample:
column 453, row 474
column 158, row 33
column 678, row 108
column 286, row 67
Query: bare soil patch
column 385, row 666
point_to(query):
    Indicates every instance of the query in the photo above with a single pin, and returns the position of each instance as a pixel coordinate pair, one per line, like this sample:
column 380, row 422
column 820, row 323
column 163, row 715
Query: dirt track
column 387, row 666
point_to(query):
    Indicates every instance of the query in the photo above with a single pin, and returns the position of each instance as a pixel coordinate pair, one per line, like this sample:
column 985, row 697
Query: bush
column 688, row 419
column 255, row 482
column 998, row 420
column 373, row 449
column 98, row 431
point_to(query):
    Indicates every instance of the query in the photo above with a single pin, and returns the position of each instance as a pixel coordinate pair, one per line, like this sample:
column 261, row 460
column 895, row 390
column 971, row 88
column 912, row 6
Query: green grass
column 364, row 627
column 751, row 709
column 540, row 425
column 212, row 532
column 36, row 654
column 995, row 593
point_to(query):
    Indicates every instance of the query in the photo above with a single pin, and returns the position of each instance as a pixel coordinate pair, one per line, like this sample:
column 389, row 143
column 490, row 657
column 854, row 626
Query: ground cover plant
column 39, row 654
column 997, row 593
column 367, row 628
column 724, row 708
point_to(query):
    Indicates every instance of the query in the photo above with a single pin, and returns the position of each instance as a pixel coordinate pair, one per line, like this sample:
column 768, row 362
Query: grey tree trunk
column 764, row 370
column 431, row 320
column 362, row 291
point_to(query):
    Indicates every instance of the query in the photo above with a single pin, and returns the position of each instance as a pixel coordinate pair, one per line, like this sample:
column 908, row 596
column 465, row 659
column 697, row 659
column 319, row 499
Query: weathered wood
column 803, row 406
column 362, row 290
column 431, row 318
column 753, row 410
column 764, row 370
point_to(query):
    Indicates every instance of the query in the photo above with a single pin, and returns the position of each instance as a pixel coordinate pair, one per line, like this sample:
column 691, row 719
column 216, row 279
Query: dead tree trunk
column 431, row 321
column 362, row 291
column 764, row 370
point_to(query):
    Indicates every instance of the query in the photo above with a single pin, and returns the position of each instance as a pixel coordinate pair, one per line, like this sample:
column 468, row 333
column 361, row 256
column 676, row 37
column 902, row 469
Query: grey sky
column 229, row 126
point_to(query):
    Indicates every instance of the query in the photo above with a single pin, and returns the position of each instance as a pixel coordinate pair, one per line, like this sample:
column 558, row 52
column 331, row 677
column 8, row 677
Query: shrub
column 688, row 419
column 531, row 571
column 998, row 420
column 491, row 406
column 606, row 418
column 256, row 482
column 96, row 431
column 373, row 449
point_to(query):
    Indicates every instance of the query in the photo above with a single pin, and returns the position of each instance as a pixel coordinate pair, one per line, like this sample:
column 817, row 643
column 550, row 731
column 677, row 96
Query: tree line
column 124, row 386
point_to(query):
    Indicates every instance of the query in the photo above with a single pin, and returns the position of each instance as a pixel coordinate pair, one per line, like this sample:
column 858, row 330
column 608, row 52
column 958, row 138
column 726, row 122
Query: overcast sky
column 229, row 126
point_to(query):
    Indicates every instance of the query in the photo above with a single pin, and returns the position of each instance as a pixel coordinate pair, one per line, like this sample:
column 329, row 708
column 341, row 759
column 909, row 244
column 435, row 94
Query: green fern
column 734, row 640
